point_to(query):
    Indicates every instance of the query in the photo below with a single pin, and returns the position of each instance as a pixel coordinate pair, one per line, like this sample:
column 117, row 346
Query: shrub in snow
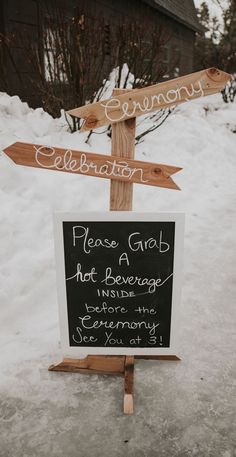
column 68, row 66
column 229, row 91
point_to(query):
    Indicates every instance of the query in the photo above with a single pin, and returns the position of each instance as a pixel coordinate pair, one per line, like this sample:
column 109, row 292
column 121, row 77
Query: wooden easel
column 121, row 199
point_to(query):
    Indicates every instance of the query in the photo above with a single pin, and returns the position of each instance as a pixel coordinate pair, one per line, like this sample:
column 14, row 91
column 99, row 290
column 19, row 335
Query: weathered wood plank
column 175, row 358
column 101, row 166
column 149, row 99
column 129, row 385
column 121, row 199
column 92, row 364
column 122, row 146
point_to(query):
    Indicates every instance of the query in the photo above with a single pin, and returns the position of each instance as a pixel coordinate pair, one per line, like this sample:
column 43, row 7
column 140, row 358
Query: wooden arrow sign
column 142, row 101
column 84, row 163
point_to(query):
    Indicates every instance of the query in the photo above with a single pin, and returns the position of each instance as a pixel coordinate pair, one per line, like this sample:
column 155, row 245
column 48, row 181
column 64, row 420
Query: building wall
column 20, row 20
column 24, row 18
column 180, row 37
column 182, row 48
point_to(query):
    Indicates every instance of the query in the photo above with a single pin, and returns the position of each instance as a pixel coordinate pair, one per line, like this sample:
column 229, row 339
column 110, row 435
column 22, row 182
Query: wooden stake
column 129, row 384
column 121, row 199
column 122, row 146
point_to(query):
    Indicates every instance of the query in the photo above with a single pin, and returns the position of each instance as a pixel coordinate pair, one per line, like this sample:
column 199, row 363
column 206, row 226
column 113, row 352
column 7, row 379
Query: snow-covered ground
column 182, row 409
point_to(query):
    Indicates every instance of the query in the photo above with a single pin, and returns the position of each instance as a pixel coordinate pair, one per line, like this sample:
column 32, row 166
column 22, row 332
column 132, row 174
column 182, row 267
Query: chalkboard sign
column 118, row 281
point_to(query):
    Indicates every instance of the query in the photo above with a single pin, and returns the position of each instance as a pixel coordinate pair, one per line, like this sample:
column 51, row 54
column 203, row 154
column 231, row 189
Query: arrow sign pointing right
column 152, row 98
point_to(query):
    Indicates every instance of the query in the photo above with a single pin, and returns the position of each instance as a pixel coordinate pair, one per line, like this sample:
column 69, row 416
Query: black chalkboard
column 119, row 283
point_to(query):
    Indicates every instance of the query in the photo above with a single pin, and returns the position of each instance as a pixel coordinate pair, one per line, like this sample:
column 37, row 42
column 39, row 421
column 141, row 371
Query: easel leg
column 129, row 385
column 97, row 364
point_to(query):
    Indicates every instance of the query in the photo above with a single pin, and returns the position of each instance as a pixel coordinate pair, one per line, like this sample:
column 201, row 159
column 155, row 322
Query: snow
column 200, row 137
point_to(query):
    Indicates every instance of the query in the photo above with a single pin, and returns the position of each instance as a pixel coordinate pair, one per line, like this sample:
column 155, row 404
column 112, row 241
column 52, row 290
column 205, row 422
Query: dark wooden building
column 18, row 75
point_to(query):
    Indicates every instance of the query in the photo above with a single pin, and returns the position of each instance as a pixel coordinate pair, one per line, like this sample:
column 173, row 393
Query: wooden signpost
column 120, row 111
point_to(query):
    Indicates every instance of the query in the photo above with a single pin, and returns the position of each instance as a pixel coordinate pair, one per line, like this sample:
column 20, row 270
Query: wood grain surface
column 122, row 146
column 116, row 167
column 151, row 98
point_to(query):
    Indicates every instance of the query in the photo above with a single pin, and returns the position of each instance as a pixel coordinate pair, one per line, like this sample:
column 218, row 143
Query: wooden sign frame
column 116, row 216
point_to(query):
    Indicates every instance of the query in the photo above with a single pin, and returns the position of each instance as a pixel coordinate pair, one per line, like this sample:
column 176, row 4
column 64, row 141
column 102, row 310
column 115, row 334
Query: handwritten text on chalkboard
column 119, row 283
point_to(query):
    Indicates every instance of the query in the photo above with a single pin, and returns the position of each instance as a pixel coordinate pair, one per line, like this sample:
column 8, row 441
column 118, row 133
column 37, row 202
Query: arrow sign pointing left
column 84, row 163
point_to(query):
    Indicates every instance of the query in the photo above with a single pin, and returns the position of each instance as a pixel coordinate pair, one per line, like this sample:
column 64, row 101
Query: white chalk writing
column 87, row 323
column 81, row 232
column 113, row 107
column 153, row 283
column 135, row 244
column 83, row 165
